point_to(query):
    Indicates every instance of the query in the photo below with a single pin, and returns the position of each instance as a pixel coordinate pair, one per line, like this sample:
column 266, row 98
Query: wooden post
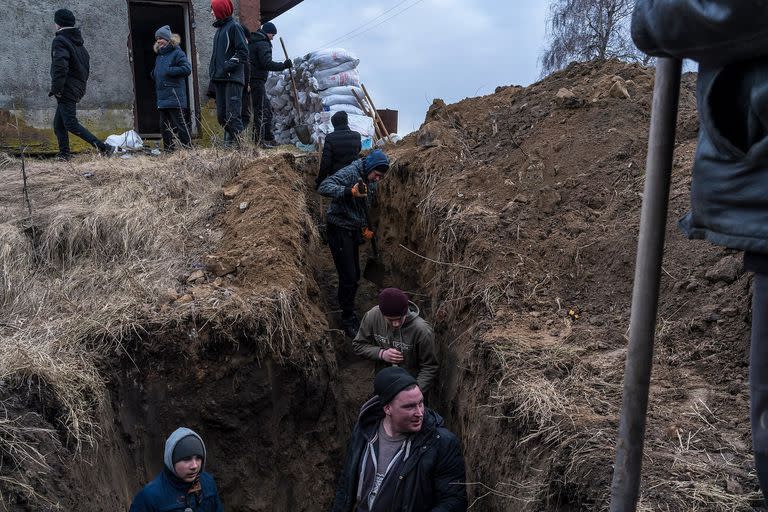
column 365, row 109
column 375, row 112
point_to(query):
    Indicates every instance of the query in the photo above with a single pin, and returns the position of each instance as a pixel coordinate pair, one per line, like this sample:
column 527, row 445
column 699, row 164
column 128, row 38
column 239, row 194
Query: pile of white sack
column 325, row 81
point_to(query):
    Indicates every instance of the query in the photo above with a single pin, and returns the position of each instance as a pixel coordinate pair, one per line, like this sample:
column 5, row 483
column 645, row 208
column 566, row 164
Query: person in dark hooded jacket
column 70, row 67
column 341, row 147
column 229, row 56
column 182, row 485
column 729, row 189
column 170, row 72
column 400, row 456
column 347, row 228
column 260, row 51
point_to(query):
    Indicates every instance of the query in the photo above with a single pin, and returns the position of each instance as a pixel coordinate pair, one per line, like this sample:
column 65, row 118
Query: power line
column 386, row 20
column 372, row 20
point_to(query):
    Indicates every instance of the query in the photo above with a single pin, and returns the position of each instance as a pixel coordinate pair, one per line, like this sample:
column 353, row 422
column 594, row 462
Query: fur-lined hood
column 175, row 41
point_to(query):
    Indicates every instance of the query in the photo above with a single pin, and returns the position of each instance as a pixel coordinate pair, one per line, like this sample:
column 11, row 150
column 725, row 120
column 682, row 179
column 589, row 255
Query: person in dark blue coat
column 182, row 485
column 341, row 147
column 401, row 457
column 171, row 70
column 729, row 189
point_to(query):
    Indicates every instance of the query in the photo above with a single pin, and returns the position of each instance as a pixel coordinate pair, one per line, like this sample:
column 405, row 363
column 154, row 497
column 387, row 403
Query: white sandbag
column 338, row 99
column 330, row 57
column 346, row 107
column 361, row 124
column 346, row 78
column 345, row 90
column 344, row 66
column 127, row 141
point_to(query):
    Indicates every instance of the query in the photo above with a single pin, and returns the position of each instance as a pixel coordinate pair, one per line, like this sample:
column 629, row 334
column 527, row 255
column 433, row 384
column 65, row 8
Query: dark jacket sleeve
column 141, row 504
column 180, row 66
column 364, row 344
column 335, row 186
column 60, row 56
column 240, row 57
column 325, row 162
column 264, row 56
column 346, row 482
column 450, row 477
column 714, row 32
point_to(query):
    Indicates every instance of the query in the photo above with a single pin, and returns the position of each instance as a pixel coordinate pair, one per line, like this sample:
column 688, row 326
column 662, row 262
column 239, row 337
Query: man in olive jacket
column 393, row 333
column 260, row 51
column 70, row 67
column 227, row 69
column 729, row 189
column 401, row 457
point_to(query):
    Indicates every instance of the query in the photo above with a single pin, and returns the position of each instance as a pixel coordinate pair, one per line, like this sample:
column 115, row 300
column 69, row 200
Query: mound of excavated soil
column 517, row 213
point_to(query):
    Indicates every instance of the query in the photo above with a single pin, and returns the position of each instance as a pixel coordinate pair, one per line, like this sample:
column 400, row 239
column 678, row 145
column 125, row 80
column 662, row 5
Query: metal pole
column 625, row 487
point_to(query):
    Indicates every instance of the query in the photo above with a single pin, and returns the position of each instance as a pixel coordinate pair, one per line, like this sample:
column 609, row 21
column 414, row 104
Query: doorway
column 145, row 17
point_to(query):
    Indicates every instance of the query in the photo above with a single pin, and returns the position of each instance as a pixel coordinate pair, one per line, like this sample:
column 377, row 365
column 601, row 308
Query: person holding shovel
column 182, row 484
column 729, row 189
column 348, row 225
column 393, row 333
column 260, row 51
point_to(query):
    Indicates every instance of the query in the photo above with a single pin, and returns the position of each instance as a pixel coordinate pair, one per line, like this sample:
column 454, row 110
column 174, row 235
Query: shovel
column 375, row 271
column 625, row 488
column 302, row 130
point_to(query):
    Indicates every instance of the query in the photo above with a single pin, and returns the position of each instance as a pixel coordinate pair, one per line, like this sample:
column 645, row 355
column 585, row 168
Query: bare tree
column 588, row 29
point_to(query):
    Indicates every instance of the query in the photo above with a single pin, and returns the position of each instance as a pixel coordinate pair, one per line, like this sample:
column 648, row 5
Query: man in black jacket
column 341, row 147
column 227, row 69
column 401, row 457
column 70, row 66
column 260, row 50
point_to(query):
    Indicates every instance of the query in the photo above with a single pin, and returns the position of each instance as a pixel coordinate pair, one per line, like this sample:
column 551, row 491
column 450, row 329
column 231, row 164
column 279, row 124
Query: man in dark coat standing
column 401, row 457
column 729, row 187
column 70, row 67
column 260, row 50
column 227, row 69
column 341, row 147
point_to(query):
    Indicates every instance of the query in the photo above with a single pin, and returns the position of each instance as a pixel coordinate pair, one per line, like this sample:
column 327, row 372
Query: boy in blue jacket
column 171, row 70
column 182, row 485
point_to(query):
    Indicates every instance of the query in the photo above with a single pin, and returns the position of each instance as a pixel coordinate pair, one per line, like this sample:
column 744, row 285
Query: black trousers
column 229, row 108
column 173, row 125
column 262, row 112
column 758, row 378
column 345, row 249
column 65, row 122
column 245, row 114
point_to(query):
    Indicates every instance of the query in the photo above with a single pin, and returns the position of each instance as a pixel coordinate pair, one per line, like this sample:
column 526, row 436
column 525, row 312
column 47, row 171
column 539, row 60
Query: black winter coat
column 70, row 65
column 729, row 39
column 431, row 479
column 230, row 52
column 341, row 148
column 260, row 50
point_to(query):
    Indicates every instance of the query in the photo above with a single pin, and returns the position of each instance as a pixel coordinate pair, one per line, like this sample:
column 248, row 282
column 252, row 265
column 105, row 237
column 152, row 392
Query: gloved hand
column 356, row 192
column 288, row 63
column 57, row 94
column 391, row 355
column 230, row 66
column 367, row 233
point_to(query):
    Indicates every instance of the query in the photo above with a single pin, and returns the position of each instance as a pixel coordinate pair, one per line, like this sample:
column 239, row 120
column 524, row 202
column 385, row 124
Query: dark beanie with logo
column 390, row 381
column 393, row 302
column 188, row 446
column 64, row 18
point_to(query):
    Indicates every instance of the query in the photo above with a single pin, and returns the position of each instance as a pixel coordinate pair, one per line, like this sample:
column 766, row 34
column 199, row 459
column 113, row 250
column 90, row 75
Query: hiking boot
column 350, row 331
column 350, row 325
column 63, row 157
column 268, row 144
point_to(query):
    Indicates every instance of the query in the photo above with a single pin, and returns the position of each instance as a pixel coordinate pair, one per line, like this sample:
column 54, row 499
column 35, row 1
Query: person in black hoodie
column 70, row 66
column 260, row 50
column 729, row 187
column 341, row 147
column 401, row 457
column 227, row 70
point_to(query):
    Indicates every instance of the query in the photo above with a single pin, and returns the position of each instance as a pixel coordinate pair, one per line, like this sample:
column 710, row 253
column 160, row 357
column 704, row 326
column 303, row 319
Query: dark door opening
column 145, row 18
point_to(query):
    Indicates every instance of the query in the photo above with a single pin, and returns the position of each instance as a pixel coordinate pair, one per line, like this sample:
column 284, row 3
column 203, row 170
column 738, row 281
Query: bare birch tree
column 580, row 30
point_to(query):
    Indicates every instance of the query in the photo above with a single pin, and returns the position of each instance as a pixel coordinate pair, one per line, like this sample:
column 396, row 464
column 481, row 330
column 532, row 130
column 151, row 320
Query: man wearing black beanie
column 70, row 67
column 341, row 147
column 400, row 456
column 182, row 485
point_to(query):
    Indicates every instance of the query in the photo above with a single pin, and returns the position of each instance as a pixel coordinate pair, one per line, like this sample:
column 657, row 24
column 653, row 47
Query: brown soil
column 512, row 220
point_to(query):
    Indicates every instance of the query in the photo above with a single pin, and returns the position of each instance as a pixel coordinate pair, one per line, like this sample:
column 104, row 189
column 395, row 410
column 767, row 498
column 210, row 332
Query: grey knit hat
column 164, row 32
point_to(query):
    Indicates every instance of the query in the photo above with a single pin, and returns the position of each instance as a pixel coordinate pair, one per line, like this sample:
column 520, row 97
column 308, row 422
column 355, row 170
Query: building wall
column 28, row 29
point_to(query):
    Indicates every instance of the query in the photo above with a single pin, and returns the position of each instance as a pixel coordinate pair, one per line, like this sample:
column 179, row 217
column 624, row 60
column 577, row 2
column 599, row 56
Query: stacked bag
column 326, row 81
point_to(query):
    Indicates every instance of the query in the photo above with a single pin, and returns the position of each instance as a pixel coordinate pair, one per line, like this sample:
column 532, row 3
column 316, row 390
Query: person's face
column 271, row 36
column 395, row 321
column 188, row 469
column 160, row 42
column 213, row 15
column 406, row 411
column 375, row 175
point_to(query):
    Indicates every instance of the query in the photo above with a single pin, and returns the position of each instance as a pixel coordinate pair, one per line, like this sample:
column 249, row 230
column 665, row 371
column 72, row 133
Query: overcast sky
column 412, row 51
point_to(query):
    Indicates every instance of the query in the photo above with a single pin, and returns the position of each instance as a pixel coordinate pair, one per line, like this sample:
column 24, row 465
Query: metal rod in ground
column 365, row 110
column 376, row 112
column 625, row 488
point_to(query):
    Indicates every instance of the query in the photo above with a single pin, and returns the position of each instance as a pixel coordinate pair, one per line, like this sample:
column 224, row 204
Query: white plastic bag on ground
column 346, row 78
column 127, row 141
